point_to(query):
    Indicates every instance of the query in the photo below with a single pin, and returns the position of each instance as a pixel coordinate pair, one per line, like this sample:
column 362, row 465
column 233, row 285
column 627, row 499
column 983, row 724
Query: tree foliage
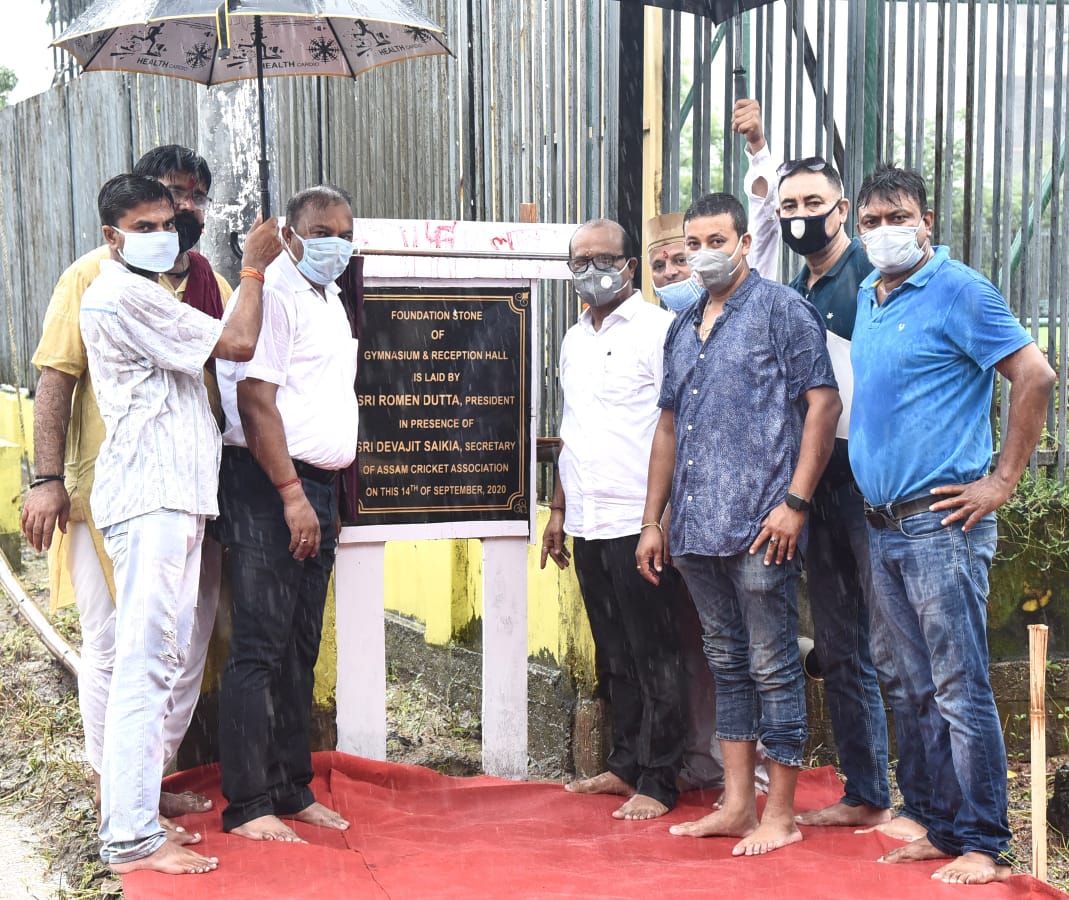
column 8, row 80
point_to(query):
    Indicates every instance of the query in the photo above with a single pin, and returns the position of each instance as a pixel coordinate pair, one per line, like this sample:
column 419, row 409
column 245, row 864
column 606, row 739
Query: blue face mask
column 324, row 258
column 679, row 295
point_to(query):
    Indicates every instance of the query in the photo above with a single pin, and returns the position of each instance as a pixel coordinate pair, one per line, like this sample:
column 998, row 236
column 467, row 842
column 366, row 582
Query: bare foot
column 900, row 828
column 171, row 859
column 914, row 851
column 971, row 868
column 172, row 805
column 641, row 807
column 177, row 834
column 267, row 828
column 318, row 814
column 843, row 814
column 605, row 783
column 767, row 837
column 718, row 823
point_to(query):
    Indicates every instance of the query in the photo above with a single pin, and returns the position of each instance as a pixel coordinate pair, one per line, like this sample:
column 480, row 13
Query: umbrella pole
column 739, row 71
column 265, row 196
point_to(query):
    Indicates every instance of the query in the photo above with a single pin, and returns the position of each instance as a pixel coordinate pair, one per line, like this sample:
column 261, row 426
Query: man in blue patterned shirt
column 749, row 406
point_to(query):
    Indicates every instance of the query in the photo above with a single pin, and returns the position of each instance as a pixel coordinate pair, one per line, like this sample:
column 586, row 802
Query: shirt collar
column 853, row 247
column 626, row 311
column 736, row 299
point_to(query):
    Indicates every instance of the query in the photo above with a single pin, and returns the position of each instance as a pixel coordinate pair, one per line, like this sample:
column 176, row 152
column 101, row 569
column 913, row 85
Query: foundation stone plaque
column 445, row 406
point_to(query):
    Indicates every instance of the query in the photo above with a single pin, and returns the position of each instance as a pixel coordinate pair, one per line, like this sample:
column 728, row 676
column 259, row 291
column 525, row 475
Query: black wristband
column 44, row 479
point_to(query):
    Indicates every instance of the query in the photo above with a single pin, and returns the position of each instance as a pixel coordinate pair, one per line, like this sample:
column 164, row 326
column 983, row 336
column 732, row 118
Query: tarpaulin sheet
column 418, row 834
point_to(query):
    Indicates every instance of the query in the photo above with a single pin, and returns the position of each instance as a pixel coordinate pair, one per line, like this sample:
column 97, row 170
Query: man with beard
column 68, row 431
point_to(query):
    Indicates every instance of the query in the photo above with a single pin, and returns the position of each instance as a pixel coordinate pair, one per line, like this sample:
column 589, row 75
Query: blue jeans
column 749, row 615
column 931, row 586
column 840, row 597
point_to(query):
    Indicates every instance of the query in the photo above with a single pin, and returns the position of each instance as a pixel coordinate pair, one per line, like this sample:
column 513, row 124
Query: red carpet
column 417, row 834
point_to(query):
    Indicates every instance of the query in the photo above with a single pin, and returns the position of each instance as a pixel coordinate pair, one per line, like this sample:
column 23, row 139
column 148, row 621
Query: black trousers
column 638, row 663
column 265, row 702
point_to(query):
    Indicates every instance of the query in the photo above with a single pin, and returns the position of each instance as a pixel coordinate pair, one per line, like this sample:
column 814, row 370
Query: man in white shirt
column 610, row 372
column 291, row 424
column 156, row 485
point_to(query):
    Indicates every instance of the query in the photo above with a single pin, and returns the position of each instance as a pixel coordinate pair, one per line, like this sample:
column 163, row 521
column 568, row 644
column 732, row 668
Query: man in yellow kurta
column 68, row 432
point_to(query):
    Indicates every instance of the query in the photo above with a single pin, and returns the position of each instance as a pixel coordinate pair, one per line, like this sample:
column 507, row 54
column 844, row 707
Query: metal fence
column 971, row 93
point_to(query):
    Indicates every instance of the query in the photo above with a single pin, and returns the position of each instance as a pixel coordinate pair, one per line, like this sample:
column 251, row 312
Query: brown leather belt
column 888, row 515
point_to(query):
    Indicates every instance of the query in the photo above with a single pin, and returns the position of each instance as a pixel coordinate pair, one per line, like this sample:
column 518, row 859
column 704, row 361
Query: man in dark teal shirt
column 813, row 213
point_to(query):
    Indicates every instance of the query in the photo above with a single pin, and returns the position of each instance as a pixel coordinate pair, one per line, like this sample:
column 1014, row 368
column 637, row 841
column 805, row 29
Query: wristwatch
column 796, row 502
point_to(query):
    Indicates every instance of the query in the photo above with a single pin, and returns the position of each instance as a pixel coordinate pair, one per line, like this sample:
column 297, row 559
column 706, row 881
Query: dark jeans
column 637, row 663
column 265, row 702
column 841, row 599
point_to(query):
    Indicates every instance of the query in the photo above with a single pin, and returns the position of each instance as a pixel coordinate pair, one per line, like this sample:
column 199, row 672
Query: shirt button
column 701, row 356
column 694, row 391
column 690, row 428
column 690, row 462
column 689, row 497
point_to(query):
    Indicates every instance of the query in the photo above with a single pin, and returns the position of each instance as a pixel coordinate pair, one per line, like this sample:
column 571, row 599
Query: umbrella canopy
column 717, row 10
column 217, row 41
column 211, row 42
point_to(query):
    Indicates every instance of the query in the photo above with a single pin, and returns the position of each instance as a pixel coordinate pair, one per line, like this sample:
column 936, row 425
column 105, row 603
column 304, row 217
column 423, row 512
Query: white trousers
column 96, row 610
column 157, row 573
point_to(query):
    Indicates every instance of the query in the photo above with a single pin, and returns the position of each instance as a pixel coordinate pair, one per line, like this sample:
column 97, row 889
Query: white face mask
column 324, row 258
column 715, row 268
column 893, row 249
column 153, row 251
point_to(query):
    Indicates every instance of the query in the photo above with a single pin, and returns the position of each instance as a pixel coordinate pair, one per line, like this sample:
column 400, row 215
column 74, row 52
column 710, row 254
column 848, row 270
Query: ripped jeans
column 157, row 574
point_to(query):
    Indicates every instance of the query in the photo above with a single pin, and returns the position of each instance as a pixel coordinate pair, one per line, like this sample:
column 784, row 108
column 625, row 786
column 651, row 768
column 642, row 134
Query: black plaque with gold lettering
column 445, row 405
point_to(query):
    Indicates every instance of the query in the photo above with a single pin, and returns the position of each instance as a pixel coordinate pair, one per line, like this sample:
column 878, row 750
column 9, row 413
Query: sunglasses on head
column 813, row 163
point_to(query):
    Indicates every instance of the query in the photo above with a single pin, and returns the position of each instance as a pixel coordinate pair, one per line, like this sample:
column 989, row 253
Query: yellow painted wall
column 439, row 583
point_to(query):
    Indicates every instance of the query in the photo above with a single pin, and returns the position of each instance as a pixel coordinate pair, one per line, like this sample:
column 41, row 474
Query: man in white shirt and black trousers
column 291, row 425
column 610, row 372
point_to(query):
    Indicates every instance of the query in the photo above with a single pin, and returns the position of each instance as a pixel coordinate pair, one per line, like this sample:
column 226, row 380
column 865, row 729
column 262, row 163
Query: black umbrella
column 213, row 42
column 719, row 11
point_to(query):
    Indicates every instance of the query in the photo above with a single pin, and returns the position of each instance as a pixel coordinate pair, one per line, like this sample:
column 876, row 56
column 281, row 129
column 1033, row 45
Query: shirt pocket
column 623, row 376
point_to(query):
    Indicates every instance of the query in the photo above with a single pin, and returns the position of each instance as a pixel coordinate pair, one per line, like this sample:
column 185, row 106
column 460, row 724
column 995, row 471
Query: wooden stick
column 1037, row 688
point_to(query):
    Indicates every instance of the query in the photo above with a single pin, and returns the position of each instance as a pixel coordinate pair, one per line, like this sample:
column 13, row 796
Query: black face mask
column 189, row 230
column 814, row 236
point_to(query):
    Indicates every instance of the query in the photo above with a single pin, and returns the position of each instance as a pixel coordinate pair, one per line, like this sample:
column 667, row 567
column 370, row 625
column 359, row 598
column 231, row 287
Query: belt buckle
column 878, row 519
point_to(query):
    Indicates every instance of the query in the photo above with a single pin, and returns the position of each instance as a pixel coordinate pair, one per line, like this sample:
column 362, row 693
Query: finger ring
column 639, row 568
column 304, row 540
column 773, row 540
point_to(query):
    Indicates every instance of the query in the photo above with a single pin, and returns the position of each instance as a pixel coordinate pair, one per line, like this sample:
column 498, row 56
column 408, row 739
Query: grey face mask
column 714, row 268
column 598, row 288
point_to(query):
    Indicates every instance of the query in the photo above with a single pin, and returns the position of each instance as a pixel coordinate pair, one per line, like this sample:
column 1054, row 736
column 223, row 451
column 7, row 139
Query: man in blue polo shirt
column 748, row 412
column 813, row 213
column 930, row 334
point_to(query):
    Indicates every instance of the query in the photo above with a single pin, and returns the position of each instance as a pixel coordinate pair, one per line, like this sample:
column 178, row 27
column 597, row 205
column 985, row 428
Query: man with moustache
column 610, row 374
column 68, row 432
column 930, row 335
